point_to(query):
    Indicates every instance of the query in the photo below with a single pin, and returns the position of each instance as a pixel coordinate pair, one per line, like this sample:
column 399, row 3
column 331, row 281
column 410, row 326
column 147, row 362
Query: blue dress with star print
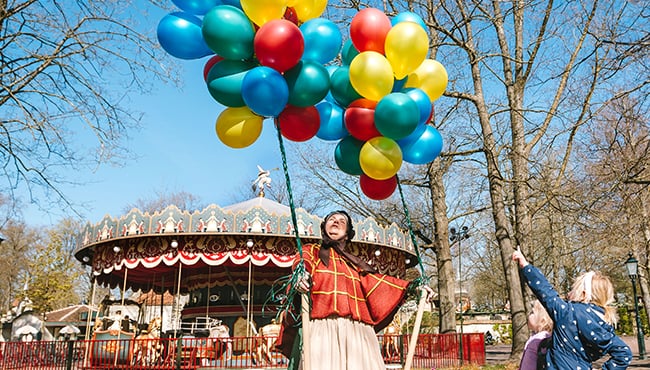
column 580, row 333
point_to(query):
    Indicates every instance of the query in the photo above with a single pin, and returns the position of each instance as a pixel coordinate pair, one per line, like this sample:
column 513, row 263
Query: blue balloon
column 235, row 3
column 179, row 33
column 265, row 91
column 332, row 126
column 323, row 40
column 399, row 84
column 198, row 7
column 409, row 17
column 422, row 100
column 422, row 146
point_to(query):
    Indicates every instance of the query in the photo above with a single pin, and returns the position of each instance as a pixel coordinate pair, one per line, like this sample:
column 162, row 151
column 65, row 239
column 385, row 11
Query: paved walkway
column 499, row 354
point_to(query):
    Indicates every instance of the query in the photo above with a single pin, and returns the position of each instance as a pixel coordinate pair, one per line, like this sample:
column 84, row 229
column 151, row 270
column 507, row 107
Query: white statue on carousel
column 263, row 180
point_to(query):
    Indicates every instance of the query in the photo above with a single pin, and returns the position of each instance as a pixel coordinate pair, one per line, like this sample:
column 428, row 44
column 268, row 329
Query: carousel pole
column 162, row 298
column 126, row 274
column 178, row 297
column 90, row 314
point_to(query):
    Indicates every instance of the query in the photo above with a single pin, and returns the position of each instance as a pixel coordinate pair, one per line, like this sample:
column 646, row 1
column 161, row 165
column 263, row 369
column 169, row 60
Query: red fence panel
column 432, row 351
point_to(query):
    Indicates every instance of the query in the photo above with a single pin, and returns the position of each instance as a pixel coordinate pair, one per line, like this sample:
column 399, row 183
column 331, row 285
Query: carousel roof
column 257, row 231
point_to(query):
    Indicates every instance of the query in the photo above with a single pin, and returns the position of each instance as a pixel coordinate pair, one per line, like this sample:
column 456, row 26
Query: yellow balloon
column 371, row 75
column 406, row 47
column 380, row 158
column 238, row 127
column 430, row 76
column 308, row 9
column 261, row 12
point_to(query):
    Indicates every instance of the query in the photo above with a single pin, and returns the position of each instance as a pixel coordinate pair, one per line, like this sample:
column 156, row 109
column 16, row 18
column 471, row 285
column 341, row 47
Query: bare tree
column 67, row 70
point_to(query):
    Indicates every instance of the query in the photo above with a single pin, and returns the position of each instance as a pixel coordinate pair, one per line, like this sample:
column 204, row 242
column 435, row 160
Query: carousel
column 221, row 264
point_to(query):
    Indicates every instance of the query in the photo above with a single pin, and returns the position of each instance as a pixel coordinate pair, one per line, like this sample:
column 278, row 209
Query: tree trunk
column 446, row 284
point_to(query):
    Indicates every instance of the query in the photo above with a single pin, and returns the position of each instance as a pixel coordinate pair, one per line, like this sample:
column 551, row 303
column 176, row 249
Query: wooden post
column 306, row 345
column 416, row 330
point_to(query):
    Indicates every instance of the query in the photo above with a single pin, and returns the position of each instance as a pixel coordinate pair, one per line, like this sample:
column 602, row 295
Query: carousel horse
column 220, row 335
column 268, row 335
column 148, row 348
column 390, row 343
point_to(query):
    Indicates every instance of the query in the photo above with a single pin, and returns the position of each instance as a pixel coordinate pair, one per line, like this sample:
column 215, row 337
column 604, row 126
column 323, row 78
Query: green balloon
column 228, row 32
column 341, row 88
column 309, row 83
column 225, row 81
column 346, row 155
column 396, row 115
column 349, row 52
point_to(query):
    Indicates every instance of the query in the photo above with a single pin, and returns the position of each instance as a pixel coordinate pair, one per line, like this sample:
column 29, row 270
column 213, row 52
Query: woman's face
column 336, row 226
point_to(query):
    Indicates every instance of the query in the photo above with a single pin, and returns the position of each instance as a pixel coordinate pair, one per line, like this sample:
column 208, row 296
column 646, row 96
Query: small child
column 582, row 331
column 541, row 325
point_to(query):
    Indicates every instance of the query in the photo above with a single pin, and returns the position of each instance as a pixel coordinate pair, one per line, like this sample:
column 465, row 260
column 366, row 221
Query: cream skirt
column 339, row 343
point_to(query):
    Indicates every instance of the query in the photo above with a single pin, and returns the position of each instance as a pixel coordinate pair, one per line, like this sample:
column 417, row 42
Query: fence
column 432, row 351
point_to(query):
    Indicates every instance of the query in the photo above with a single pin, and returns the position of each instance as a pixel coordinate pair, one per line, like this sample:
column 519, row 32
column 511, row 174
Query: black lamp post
column 632, row 266
column 457, row 236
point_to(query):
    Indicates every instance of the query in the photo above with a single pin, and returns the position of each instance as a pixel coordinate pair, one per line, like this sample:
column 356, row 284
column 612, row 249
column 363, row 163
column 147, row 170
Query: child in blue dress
column 583, row 328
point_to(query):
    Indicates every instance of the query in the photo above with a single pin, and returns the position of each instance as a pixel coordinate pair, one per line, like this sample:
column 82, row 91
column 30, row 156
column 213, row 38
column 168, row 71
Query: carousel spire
column 262, row 181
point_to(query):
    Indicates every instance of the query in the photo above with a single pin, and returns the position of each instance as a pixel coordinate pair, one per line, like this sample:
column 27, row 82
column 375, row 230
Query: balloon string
column 288, row 284
column 411, row 233
column 288, row 180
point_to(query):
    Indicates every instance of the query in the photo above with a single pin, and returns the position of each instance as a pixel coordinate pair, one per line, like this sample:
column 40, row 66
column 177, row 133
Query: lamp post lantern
column 457, row 236
column 632, row 266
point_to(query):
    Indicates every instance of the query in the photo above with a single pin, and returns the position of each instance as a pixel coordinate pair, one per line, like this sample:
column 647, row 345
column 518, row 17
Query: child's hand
column 519, row 258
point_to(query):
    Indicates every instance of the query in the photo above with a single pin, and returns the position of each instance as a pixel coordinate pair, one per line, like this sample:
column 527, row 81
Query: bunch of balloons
column 268, row 59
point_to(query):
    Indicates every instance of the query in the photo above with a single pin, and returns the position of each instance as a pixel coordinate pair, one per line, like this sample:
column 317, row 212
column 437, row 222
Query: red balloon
column 290, row 15
column 279, row 44
column 377, row 189
column 359, row 119
column 299, row 123
column 209, row 64
column 368, row 30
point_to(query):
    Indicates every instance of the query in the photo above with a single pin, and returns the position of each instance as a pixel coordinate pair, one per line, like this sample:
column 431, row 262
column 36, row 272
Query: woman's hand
column 304, row 282
column 518, row 257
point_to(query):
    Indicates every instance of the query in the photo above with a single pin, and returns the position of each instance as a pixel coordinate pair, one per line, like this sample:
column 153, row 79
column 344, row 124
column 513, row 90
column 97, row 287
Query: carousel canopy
column 218, row 245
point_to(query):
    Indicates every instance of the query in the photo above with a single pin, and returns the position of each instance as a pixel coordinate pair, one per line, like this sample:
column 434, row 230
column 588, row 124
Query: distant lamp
column 174, row 244
column 407, row 261
column 377, row 253
column 250, row 243
column 632, row 266
column 116, row 249
column 85, row 259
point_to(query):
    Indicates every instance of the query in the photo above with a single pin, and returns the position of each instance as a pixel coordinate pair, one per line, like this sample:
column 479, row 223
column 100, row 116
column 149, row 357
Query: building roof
column 69, row 314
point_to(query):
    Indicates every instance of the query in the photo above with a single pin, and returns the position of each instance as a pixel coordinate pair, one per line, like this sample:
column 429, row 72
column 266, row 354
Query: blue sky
column 177, row 150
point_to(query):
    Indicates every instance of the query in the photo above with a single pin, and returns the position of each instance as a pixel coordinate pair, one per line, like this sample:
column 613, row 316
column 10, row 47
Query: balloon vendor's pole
column 416, row 330
column 306, row 345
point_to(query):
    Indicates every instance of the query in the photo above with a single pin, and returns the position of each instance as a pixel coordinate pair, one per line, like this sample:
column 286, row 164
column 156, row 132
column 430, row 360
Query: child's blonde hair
column 594, row 287
column 545, row 322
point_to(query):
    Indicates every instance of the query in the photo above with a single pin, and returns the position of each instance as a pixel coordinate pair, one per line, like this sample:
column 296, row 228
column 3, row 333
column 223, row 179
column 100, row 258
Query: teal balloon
column 265, row 91
column 346, row 155
column 396, row 116
column 332, row 125
column 323, row 40
column 309, row 83
column 225, row 81
column 349, row 52
column 421, row 147
column 198, row 7
column 229, row 32
column 409, row 17
column 179, row 34
column 341, row 88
